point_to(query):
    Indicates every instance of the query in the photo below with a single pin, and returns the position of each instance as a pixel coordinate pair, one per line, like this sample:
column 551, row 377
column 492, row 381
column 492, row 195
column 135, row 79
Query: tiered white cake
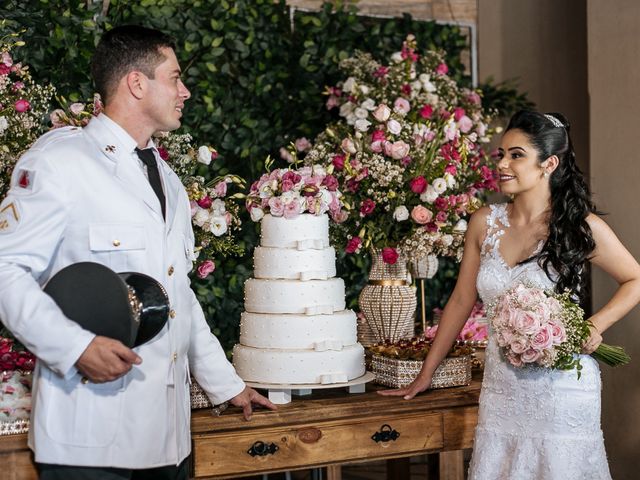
column 295, row 329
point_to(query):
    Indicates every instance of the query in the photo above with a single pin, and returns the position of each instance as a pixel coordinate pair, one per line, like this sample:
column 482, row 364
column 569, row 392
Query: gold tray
column 396, row 373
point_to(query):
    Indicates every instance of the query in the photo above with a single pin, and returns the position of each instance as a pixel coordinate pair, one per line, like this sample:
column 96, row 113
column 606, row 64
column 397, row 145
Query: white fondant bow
column 313, row 275
column 311, row 244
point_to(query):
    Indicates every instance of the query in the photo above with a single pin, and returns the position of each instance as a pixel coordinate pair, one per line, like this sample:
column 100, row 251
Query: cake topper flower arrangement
column 23, row 107
column 214, row 213
column 289, row 192
column 407, row 154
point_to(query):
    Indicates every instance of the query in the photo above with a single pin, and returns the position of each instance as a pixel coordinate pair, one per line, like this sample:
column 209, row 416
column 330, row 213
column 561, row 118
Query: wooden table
column 327, row 428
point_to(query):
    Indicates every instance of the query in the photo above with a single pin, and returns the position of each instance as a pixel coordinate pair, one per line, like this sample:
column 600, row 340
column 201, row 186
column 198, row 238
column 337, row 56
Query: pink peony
column 421, row 215
column 389, row 255
column 206, row 268
column 22, row 105
column 353, row 245
column 418, row 184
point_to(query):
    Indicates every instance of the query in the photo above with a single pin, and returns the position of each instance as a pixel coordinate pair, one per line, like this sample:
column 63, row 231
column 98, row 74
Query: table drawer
column 270, row 449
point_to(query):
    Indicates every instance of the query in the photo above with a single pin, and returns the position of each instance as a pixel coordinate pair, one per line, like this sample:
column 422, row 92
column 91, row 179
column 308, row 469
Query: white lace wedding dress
column 534, row 424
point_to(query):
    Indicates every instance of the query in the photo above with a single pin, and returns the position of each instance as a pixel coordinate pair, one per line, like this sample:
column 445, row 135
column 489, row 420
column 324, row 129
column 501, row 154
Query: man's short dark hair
column 124, row 49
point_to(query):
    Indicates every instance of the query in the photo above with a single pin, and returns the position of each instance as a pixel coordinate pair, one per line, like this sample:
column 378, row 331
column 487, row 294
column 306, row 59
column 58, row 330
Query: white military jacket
column 78, row 195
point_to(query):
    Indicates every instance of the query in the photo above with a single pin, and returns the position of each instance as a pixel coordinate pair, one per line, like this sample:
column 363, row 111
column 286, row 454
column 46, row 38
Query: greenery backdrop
column 256, row 78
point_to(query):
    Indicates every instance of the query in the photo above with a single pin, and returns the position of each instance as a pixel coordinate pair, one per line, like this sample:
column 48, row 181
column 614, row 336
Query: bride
column 536, row 423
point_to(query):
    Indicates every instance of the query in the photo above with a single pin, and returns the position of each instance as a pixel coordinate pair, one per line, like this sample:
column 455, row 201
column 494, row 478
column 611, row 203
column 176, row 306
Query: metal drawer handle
column 385, row 434
column 261, row 449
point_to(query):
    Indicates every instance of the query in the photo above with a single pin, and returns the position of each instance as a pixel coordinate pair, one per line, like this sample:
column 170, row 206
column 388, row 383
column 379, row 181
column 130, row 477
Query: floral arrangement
column 415, row 348
column 546, row 329
column 407, row 153
column 214, row 213
column 23, row 106
column 474, row 330
column 287, row 192
column 13, row 356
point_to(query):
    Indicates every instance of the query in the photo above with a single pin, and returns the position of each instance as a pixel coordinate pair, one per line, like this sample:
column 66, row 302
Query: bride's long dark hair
column 570, row 240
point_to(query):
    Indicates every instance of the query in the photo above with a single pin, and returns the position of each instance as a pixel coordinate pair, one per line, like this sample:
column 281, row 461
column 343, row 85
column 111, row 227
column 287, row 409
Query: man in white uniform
column 102, row 194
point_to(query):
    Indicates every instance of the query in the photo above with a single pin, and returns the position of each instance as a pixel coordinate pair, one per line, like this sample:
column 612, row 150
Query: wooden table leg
column 398, row 469
column 452, row 465
column 334, row 472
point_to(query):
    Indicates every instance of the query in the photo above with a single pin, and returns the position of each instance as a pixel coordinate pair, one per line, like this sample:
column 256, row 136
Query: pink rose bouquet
column 286, row 192
column 537, row 327
column 409, row 139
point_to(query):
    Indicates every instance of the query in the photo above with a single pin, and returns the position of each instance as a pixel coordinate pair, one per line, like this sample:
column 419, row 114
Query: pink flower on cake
column 206, row 268
column 292, row 209
column 389, row 255
column 276, row 207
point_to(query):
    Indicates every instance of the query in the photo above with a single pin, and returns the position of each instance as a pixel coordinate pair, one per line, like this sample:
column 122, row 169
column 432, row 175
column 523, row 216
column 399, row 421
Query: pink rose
column 292, row 209
column 377, row 135
column 426, row 111
column 76, row 108
column 377, row 146
column 348, row 146
column 421, row 215
column 367, row 207
column 292, row 176
column 276, row 207
column 6, row 59
column 338, row 161
column 458, row 113
column 389, row 255
column 418, row 184
column 406, row 161
column 465, row 124
column 22, row 105
column 381, row 72
column 18, row 86
column 473, row 97
column 164, row 153
column 332, row 102
column 558, row 333
column 514, row 359
column 205, row 202
column 302, row 144
column 441, row 203
column 543, row 339
column 398, row 150
column 530, row 356
column 519, row 345
column 442, row 69
column 353, row 245
column 57, row 118
column 340, row 216
column 441, row 217
column 451, row 169
column 287, row 185
column 401, row 105
column 4, row 69
column 206, row 268
column 406, row 89
column 382, row 113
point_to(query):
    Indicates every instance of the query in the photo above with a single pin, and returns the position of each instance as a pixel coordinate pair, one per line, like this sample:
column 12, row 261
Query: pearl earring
column 545, row 174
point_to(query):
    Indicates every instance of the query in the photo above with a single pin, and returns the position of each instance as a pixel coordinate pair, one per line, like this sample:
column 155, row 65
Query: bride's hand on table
column 420, row 384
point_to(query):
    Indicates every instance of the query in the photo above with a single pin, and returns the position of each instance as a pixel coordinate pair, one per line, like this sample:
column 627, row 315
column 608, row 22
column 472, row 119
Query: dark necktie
column 149, row 159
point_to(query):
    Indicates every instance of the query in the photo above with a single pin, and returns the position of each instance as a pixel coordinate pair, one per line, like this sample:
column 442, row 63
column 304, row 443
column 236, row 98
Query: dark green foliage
column 255, row 85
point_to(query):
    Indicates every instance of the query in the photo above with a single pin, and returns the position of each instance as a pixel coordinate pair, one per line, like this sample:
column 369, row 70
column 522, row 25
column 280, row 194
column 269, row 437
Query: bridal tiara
column 556, row 123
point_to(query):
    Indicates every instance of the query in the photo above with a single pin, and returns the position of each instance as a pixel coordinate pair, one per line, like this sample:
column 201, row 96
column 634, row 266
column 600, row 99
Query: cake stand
column 280, row 393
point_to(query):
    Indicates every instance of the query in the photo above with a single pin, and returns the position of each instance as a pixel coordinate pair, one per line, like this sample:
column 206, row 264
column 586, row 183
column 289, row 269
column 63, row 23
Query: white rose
column 424, row 78
column 439, row 185
column 401, row 213
column 364, row 89
column 429, row 87
column 397, row 57
column 319, row 170
column 204, row 155
column 256, row 214
column 461, row 226
column 362, row 125
column 429, row 195
column 394, row 126
column 446, row 240
column 369, row 104
column 201, row 216
column 218, row 207
column 349, row 85
column 361, row 112
column 451, row 181
column 416, row 86
column 218, row 225
column 4, row 124
column 351, row 118
column 382, row 113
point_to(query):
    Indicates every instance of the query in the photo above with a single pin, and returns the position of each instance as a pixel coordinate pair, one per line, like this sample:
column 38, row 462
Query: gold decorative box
column 396, row 373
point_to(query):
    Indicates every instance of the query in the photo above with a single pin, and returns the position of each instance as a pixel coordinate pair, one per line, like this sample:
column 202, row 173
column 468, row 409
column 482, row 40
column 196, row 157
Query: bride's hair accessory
column 556, row 123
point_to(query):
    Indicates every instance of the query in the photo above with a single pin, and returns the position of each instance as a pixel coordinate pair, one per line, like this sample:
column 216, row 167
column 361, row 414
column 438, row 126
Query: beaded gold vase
column 388, row 302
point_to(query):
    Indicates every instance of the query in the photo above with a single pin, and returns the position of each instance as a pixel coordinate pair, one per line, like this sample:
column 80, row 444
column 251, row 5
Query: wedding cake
column 295, row 329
